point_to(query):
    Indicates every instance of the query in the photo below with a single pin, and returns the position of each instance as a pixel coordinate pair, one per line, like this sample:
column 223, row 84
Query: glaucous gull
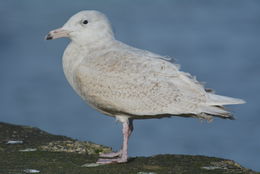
column 129, row 83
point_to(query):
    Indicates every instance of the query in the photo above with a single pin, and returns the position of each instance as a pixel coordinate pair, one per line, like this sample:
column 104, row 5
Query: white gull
column 129, row 83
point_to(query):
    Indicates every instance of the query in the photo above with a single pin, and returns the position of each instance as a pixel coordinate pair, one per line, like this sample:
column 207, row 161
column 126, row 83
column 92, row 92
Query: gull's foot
column 111, row 161
column 112, row 154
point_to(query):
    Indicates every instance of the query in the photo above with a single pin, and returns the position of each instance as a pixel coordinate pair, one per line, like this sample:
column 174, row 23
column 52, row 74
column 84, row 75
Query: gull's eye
column 85, row 22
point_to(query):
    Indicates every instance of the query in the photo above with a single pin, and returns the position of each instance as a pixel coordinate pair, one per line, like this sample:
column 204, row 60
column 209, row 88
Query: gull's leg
column 122, row 154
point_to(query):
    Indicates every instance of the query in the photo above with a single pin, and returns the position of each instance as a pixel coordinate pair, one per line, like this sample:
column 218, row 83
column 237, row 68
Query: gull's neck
column 91, row 48
column 93, row 40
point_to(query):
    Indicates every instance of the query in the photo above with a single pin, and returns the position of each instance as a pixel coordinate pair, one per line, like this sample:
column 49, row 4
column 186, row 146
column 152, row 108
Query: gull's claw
column 112, row 154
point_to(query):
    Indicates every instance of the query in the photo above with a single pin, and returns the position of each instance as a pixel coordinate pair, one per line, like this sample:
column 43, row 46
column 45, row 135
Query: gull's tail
column 214, row 105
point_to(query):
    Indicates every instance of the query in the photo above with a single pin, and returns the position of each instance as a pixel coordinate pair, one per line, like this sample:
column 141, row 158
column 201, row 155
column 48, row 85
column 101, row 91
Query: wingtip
column 239, row 101
column 215, row 99
column 242, row 101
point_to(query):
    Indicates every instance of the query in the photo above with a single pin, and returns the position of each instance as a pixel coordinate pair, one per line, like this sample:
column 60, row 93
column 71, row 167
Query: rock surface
column 26, row 149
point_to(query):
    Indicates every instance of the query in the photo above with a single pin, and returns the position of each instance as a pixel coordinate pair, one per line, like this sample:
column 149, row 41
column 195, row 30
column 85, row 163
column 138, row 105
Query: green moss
column 63, row 155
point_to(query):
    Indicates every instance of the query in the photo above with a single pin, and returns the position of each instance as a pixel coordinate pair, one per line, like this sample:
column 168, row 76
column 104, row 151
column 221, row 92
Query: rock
column 91, row 165
column 28, row 150
column 47, row 153
column 14, row 142
column 31, row 171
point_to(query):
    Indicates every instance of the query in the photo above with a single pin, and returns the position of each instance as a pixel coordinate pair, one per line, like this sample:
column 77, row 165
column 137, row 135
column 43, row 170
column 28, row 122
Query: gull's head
column 84, row 27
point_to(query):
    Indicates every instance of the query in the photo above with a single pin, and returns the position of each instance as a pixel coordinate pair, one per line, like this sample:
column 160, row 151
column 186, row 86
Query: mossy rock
column 25, row 149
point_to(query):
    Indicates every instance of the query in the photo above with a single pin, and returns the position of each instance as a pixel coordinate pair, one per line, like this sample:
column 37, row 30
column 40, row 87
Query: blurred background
column 216, row 40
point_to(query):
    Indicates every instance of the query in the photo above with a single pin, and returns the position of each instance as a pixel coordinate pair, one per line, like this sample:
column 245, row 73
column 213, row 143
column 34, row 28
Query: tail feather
column 217, row 111
column 214, row 105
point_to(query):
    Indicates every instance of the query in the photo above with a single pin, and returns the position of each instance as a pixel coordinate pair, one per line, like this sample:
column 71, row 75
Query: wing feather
column 138, row 83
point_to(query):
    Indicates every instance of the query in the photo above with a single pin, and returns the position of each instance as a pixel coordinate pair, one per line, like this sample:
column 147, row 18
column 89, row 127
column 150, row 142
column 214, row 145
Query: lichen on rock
column 80, row 147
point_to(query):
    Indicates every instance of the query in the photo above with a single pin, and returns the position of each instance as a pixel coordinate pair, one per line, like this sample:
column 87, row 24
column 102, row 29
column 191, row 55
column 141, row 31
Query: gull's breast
column 71, row 59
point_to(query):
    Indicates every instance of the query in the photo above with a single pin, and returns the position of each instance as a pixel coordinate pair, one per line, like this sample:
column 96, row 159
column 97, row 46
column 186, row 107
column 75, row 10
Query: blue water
column 218, row 41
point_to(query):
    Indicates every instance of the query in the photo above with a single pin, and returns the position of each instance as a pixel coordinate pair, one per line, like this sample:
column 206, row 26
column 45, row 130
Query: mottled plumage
column 130, row 83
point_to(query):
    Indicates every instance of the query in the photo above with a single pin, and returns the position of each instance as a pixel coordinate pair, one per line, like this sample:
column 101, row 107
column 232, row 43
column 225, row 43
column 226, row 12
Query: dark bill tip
column 49, row 37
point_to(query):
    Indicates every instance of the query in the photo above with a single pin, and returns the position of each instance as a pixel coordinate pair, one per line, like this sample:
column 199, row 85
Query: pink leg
column 122, row 154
